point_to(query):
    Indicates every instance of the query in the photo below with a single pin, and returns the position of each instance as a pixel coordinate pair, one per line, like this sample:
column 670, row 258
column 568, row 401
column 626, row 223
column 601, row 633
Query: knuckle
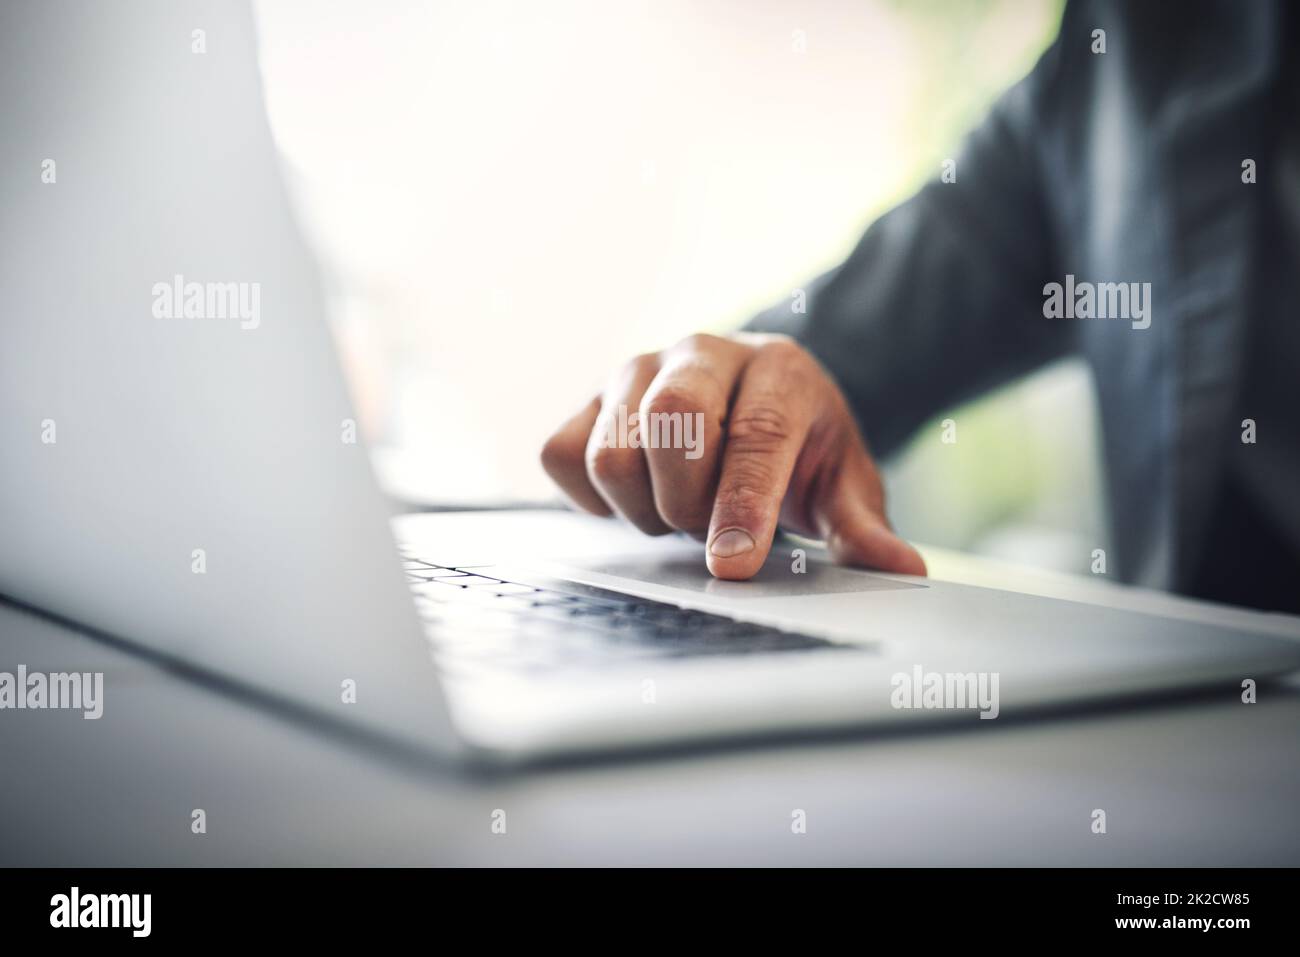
column 610, row 467
column 672, row 399
column 699, row 342
column 800, row 370
column 784, row 349
column 762, row 427
column 643, row 365
column 560, row 453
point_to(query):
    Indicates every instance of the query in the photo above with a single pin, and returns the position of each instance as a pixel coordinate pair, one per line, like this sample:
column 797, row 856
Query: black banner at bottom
column 336, row 906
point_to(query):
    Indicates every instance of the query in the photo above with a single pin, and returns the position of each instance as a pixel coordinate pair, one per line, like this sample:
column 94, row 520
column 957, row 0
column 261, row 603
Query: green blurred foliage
column 973, row 50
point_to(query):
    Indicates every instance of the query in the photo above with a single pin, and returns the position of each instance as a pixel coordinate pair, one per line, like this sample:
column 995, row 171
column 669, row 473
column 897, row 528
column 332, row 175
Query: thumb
column 856, row 532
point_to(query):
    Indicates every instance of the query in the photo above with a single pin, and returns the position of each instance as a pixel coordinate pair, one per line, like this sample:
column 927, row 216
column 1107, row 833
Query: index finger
column 765, row 432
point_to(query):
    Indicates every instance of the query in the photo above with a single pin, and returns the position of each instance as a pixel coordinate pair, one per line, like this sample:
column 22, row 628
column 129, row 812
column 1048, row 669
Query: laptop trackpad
column 781, row 575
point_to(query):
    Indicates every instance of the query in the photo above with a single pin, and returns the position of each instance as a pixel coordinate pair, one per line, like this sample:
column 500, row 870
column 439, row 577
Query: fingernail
column 731, row 542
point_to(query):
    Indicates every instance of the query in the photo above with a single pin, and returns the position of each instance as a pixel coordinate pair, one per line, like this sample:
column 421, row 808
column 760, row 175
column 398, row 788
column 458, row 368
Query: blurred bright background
column 509, row 199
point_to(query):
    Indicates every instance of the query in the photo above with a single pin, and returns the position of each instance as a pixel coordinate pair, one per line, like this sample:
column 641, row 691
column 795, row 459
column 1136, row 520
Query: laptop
column 183, row 473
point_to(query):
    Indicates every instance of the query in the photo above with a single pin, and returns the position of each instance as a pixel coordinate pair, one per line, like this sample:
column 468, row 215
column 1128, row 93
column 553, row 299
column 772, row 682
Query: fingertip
column 900, row 556
column 594, row 506
column 733, row 554
column 910, row 561
column 733, row 569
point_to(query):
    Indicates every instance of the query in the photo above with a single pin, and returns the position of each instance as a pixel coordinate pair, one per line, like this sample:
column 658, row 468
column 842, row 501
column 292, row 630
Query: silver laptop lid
column 180, row 466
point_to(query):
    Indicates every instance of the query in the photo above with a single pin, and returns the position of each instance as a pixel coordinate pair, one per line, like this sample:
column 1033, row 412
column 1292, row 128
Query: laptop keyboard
column 478, row 620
